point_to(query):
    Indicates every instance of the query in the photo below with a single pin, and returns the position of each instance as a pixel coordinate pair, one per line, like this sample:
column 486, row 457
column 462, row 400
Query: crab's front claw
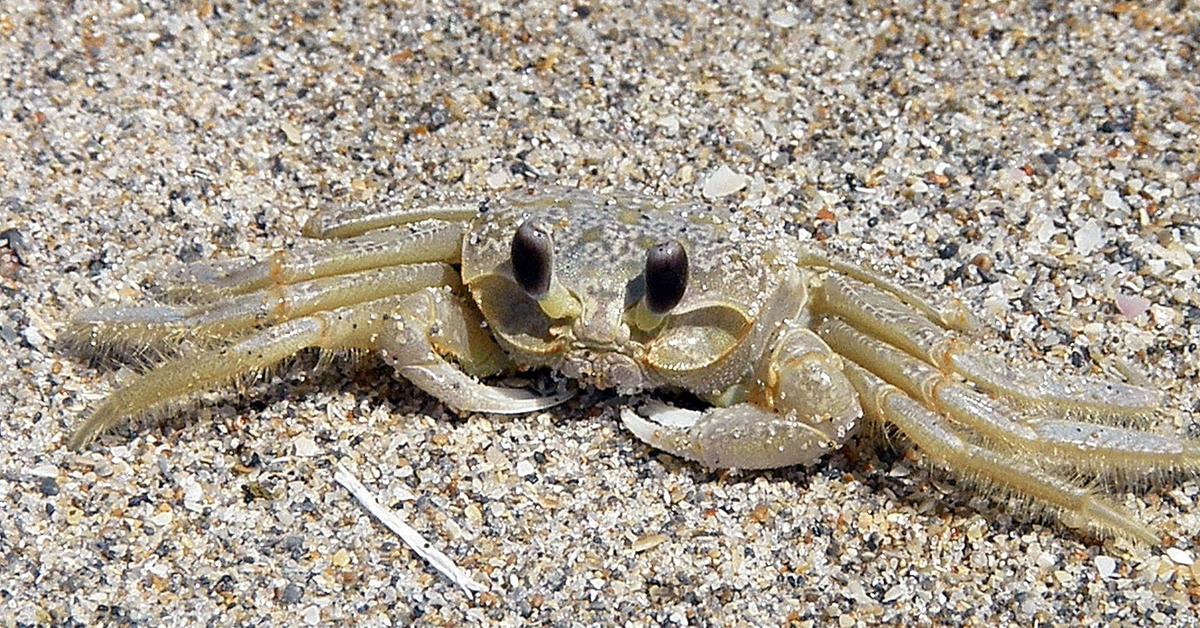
column 799, row 407
column 741, row 436
column 431, row 322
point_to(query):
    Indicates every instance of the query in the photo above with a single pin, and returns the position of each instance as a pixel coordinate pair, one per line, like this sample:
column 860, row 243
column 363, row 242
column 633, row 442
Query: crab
column 788, row 350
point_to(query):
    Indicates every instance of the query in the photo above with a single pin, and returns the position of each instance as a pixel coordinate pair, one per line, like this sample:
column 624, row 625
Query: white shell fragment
column 1132, row 305
column 723, row 182
column 305, row 446
column 1179, row 557
column 1112, row 200
column 783, row 18
column 1105, row 566
column 44, row 470
column 648, row 541
column 411, row 537
column 1089, row 238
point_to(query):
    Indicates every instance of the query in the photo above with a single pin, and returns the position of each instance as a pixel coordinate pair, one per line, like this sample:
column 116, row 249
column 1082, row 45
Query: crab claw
column 742, row 436
column 465, row 394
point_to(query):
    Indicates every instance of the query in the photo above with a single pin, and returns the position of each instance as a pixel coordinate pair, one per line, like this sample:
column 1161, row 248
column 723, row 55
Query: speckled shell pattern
column 738, row 261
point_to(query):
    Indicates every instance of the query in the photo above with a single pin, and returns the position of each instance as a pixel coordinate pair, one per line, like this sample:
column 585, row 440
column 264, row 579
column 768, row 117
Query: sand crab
column 791, row 349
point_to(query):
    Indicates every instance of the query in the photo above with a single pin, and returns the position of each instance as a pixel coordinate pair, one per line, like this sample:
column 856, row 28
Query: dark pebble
column 49, row 487
column 15, row 243
column 1051, row 161
column 292, row 593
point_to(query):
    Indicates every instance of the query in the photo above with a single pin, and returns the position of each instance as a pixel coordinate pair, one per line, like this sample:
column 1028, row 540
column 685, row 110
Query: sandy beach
column 1041, row 164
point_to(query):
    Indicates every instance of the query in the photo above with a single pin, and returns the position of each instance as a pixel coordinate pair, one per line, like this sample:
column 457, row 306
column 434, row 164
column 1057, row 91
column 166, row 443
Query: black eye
column 533, row 258
column 666, row 276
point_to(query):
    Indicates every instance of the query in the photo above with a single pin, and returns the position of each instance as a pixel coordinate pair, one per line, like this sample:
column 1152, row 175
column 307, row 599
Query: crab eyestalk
column 666, row 277
column 532, row 255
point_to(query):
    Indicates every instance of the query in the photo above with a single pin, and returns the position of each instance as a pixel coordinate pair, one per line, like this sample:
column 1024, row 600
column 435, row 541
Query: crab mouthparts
column 605, row 370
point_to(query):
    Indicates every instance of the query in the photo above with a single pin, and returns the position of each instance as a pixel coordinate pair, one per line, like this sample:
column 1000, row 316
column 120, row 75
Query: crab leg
column 428, row 323
column 139, row 328
column 956, row 317
column 1083, row 446
column 345, row 222
column 351, row 327
column 802, row 408
column 938, row 441
column 883, row 316
column 426, row 241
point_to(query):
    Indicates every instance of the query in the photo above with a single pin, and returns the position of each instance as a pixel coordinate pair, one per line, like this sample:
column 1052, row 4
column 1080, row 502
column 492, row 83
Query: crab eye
column 666, row 276
column 533, row 258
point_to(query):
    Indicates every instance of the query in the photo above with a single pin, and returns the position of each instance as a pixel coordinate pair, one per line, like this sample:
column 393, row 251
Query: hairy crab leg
column 1081, row 446
column 345, row 222
column 883, row 316
column 938, row 441
column 955, row 317
column 426, row 241
column 353, row 327
column 426, row 324
column 136, row 329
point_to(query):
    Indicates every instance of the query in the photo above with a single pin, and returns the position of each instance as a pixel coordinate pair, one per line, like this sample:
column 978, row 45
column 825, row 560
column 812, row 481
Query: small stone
column 1132, row 305
column 1112, row 200
column 48, row 487
column 291, row 131
column 293, row 543
column 341, row 558
column 474, row 514
column 497, row 179
column 891, row 595
column 74, row 516
column 648, row 541
column 783, row 18
column 1089, row 238
column 292, row 593
column 162, row 519
column 44, row 471
column 1156, row 67
column 723, row 182
column 1046, row 560
column 192, row 497
column 312, row 615
column 1179, row 557
column 670, row 124
column 525, row 468
column 305, row 446
column 496, row 457
column 34, row 337
column 1105, row 566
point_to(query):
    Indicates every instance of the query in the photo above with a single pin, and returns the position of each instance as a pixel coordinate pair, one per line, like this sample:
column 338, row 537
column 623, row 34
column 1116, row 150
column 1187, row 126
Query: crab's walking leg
column 954, row 317
column 883, row 316
column 345, row 222
column 1076, row 505
column 431, row 322
column 426, row 241
column 139, row 328
column 800, row 408
column 1082, row 446
column 354, row 327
